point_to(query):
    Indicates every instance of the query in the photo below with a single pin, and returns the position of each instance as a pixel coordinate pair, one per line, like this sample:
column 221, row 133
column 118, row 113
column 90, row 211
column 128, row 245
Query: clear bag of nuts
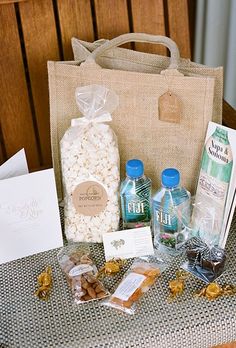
column 91, row 167
column 81, row 274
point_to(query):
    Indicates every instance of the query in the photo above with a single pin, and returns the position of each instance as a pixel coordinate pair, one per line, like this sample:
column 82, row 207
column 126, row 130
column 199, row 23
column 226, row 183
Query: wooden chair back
column 35, row 31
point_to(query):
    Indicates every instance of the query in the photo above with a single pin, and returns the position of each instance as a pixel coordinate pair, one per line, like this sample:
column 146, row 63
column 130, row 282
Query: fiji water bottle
column 135, row 196
column 212, row 189
column 171, row 212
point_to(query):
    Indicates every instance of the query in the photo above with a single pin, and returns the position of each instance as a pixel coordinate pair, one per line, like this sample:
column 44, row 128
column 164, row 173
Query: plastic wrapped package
column 206, row 258
column 136, row 282
column 81, row 274
column 90, row 168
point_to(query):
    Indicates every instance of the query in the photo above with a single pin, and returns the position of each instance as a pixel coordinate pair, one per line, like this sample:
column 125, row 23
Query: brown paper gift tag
column 169, row 108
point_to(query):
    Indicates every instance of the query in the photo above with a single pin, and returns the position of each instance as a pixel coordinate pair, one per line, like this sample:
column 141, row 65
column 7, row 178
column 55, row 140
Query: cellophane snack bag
column 90, row 166
column 81, row 274
column 141, row 276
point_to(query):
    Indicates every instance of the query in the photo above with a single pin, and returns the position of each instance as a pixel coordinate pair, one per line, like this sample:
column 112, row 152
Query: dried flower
column 111, row 267
column 177, row 285
column 212, row 291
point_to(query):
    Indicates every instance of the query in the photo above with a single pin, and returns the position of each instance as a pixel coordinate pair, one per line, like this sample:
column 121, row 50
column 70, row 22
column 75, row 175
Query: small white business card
column 128, row 243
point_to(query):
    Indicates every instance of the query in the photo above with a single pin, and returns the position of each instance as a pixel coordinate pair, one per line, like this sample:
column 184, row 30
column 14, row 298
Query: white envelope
column 15, row 166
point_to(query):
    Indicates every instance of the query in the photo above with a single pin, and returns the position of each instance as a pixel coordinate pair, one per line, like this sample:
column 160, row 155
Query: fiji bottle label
column 165, row 219
column 169, row 223
column 137, row 209
column 165, row 226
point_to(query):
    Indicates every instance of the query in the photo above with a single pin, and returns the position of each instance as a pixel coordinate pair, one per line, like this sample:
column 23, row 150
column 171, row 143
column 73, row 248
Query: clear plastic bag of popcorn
column 91, row 167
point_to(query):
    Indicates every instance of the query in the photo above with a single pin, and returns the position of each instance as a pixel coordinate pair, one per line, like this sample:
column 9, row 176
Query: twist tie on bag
column 96, row 103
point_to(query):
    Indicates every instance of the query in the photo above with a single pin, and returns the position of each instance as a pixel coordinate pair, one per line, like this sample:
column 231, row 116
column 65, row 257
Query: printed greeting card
column 29, row 214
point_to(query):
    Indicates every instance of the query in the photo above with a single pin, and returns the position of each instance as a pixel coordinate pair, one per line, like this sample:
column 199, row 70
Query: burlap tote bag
column 141, row 132
column 121, row 58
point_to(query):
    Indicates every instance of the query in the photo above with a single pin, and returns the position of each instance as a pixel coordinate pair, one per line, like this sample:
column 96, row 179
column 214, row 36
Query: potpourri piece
column 177, row 285
column 45, row 284
column 111, row 268
column 213, row 291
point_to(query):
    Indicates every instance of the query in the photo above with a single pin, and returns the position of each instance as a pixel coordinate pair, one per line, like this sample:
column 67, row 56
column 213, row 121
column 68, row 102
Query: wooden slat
column 148, row 17
column 179, row 25
column 40, row 38
column 10, row 1
column 192, row 8
column 15, row 113
column 112, row 18
column 2, row 149
column 2, row 159
column 75, row 21
column 229, row 116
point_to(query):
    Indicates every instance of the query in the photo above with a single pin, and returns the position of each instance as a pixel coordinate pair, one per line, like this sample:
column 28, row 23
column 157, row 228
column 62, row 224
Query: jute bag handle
column 138, row 37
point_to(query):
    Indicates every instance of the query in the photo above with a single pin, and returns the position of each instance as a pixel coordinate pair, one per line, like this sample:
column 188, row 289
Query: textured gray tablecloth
column 27, row 322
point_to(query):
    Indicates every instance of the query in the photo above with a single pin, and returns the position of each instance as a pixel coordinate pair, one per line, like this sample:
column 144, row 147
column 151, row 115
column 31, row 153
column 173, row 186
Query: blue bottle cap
column 134, row 168
column 170, row 177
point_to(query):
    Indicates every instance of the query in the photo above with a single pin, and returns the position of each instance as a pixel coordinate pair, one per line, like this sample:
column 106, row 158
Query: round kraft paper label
column 89, row 198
